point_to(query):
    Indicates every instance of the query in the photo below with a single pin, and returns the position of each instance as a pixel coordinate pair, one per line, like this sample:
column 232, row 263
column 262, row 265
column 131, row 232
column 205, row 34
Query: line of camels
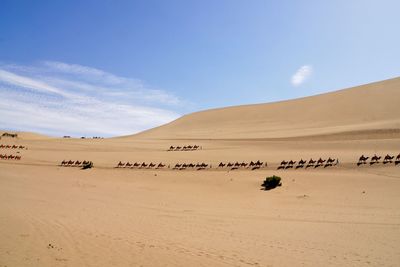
column 290, row 164
column 194, row 166
column 6, row 157
column 12, row 146
column 185, row 148
column 75, row 163
column 151, row 165
column 376, row 159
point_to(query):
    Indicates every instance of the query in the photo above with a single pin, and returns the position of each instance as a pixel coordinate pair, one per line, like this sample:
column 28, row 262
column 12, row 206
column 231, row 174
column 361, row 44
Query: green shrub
column 271, row 182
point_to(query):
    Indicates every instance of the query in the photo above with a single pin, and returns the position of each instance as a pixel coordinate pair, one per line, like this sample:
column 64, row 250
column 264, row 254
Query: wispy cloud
column 70, row 99
column 301, row 75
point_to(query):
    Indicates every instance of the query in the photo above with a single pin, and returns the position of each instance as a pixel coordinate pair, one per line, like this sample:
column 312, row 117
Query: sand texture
column 342, row 215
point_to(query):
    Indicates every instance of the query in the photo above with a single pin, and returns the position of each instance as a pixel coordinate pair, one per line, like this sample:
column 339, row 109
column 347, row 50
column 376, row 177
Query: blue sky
column 118, row 67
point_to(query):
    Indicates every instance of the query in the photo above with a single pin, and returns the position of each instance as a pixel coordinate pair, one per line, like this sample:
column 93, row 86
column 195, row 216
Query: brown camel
column 375, row 159
column 388, row 159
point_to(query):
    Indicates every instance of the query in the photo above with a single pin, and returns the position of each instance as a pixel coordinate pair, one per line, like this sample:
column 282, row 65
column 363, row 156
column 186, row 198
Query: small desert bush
column 271, row 182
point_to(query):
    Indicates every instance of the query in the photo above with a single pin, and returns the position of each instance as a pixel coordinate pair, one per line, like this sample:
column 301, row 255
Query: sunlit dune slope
column 372, row 108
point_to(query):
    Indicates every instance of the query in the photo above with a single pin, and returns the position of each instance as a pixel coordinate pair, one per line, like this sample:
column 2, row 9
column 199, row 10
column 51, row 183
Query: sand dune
column 338, row 216
column 367, row 107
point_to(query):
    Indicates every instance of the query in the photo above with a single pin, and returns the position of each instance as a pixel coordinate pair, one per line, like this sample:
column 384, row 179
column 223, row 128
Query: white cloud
column 301, row 75
column 64, row 99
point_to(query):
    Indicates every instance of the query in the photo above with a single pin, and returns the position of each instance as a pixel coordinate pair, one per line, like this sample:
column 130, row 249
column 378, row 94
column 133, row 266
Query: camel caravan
column 151, row 165
column 12, row 147
column 10, row 157
column 142, row 165
column 193, row 166
column 376, row 160
column 85, row 164
column 185, row 148
column 310, row 164
column 243, row 165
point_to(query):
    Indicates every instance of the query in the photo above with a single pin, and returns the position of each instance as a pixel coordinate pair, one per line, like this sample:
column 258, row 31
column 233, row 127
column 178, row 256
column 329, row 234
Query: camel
column 221, row 165
column 388, row 159
column 259, row 163
column 301, row 164
column 282, row 165
column 17, row 157
column 375, row 159
column 160, row 165
column 10, row 157
column 397, row 161
column 329, row 162
column 120, row 164
column 143, row 165
column 127, row 165
column 229, row 165
column 177, row 166
column 362, row 160
column 171, row 148
column 178, row 148
column 320, row 162
column 290, row 164
column 311, row 163
column 284, row 162
column 77, row 163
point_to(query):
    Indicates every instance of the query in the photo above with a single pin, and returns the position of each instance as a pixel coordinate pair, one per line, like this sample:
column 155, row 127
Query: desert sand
column 344, row 215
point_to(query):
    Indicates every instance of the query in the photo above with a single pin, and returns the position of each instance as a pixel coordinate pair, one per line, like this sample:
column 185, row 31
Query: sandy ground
column 65, row 216
column 337, row 216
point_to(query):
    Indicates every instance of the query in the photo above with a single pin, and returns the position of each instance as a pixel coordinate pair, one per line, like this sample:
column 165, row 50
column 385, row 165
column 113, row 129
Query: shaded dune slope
column 368, row 110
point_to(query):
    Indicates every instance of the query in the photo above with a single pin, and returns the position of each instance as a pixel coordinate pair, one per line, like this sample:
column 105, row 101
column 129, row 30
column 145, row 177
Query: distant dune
column 366, row 109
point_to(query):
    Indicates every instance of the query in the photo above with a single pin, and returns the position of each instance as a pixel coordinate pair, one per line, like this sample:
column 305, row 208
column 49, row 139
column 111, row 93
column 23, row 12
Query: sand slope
column 367, row 107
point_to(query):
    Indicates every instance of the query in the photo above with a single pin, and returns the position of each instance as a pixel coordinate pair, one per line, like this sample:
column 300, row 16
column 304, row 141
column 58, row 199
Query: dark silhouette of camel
column 375, row 159
column 362, row 160
column 388, row 159
column 127, row 165
column 329, row 162
column 290, row 164
column 397, row 161
column 282, row 165
column 301, row 164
